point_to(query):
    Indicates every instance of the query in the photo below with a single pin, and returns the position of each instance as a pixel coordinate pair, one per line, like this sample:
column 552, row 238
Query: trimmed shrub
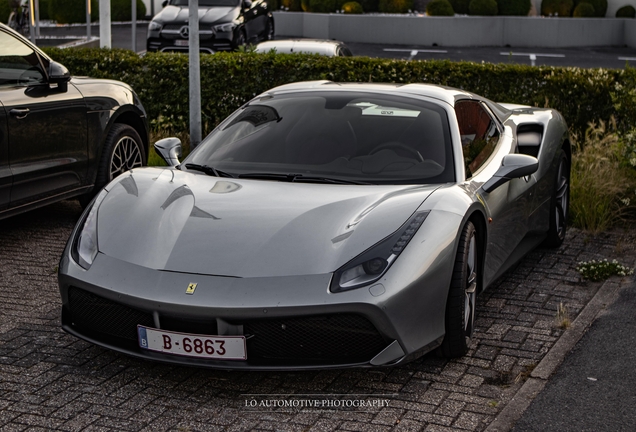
column 482, row 7
column 292, row 5
column 72, row 11
column 322, row 6
column 460, row 6
column 395, row 6
column 227, row 82
column 514, row 7
column 5, row 11
column 553, row 7
column 370, row 5
column 304, row 4
column 440, row 8
column 583, row 10
column 121, row 10
column 600, row 6
column 352, row 8
column 626, row 12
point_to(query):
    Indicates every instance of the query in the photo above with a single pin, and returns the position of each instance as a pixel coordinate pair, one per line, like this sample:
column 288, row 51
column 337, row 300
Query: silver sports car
column 320, row 225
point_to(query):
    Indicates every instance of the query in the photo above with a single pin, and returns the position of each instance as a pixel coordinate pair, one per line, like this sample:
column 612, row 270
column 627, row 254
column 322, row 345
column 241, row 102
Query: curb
column 513, row 411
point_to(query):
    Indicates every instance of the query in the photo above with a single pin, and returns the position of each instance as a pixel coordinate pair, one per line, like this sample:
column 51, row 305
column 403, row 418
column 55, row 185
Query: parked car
column 320, row 225
column 329, row 48
column 61, row 136
column 223, row 25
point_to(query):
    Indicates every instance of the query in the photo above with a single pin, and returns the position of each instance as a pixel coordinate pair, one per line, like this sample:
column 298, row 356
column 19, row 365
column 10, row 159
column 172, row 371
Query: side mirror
column 247, row 4
column 512, row 166
column 164, row 3
column 58, row 74
column 170, row 150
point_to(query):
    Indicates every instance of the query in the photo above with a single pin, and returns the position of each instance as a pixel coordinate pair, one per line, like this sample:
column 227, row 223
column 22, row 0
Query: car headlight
column 224, row 28
column 369, row 266
column 154, row 25
column 85, row 248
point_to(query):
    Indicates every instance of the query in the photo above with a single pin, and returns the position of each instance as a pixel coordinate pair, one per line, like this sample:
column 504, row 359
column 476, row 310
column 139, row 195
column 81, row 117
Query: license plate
column 181, row 42
column 192, row 345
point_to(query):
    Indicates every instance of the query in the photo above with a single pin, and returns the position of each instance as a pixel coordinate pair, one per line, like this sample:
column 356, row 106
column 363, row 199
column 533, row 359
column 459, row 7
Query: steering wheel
column 398, row 145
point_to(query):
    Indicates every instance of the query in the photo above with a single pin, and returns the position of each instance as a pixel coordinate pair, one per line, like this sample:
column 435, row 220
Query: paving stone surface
column 52, row 381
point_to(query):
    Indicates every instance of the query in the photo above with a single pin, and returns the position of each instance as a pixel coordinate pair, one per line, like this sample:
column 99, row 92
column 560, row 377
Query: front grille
column 337, row 338
column 324, row 339
column 173, row 26
column 97, row 314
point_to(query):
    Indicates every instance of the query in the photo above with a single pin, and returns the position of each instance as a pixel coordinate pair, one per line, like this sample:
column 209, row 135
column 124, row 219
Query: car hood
column 176, row 221
column 176, row 14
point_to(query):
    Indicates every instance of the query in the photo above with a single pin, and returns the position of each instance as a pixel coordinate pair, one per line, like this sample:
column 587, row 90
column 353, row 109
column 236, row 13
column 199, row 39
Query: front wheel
column 269, row 29
column 240, row 39
column 462, row 296
column 559, row 204
column 123, row 150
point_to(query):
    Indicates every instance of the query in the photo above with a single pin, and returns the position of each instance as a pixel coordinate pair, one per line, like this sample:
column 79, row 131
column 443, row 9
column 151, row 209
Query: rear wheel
column 123, row 151
column 559, row 204
column 462, row 296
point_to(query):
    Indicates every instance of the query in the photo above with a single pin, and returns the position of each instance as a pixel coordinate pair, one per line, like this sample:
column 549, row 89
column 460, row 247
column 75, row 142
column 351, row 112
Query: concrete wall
column 458, row 31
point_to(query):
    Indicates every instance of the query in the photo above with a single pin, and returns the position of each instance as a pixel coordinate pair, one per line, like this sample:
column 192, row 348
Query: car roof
column 310, row 46
column 443, row 93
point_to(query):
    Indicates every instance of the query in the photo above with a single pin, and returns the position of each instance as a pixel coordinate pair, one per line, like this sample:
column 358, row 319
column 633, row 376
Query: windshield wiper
column 211, row 171
column 300, row 178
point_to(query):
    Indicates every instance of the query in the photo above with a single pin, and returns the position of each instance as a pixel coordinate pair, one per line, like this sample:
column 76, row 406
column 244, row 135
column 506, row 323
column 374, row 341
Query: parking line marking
column 627, row 58
column 532, row 56
column 414, row 52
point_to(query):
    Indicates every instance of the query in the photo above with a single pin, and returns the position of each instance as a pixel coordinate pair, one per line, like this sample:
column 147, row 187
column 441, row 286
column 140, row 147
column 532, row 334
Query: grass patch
column 563, row 317
column 602, row 182
column 597, row 271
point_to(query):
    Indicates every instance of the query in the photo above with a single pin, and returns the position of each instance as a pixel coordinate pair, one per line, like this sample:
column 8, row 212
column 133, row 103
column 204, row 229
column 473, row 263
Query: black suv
column 223, row 25
column 61, row 137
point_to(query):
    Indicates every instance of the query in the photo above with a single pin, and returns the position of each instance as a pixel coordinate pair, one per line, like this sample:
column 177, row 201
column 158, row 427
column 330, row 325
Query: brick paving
column 52, row 381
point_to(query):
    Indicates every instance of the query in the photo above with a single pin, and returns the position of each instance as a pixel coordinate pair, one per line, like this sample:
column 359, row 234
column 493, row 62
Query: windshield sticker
column 377, row 110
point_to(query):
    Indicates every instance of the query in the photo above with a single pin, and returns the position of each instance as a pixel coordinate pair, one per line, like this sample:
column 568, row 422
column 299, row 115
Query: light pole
column 134, row 25
column 195, row 73
column 104, row 24
column 88, row 20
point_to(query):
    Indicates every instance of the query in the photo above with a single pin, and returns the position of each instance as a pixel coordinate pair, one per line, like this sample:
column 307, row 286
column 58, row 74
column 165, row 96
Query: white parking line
column 627, row 58
column 414, row 52
column 532, row 56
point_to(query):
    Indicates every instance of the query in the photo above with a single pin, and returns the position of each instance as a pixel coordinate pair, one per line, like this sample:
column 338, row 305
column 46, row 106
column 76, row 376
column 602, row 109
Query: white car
column 329, row 48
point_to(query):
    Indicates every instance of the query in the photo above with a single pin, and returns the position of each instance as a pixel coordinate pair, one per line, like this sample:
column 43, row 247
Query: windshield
column 205, row 3
column 355, row 136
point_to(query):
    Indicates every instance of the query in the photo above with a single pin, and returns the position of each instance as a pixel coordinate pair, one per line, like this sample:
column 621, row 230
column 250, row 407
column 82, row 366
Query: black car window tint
column 479, row 134
column 19, row 64
column 353, row 135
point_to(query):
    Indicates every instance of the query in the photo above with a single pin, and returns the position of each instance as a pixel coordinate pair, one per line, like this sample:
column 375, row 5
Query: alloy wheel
column 126, row 156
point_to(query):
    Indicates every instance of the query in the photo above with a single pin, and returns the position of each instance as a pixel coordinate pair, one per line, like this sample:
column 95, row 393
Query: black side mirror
column 169, row 149
column 164, row 3
column 512, row 166
column 247, row 4
column 59, row 75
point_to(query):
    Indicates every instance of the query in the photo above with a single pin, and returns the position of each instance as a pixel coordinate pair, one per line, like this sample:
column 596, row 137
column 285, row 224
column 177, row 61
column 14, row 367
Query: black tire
column 240, row 39
column 269, row 30
column 462, row 296
column 122, row 142
column 559, row 204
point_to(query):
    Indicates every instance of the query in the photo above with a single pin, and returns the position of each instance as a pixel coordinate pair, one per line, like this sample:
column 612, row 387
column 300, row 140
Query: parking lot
column 50, row 380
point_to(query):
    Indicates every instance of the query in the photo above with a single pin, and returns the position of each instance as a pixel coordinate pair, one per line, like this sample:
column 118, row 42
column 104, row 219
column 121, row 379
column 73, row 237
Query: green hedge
column 514, row 7
column 5, row 11
column 583, row 10
column 440, row 8
column 230, row 79
column 482, row 7
column 626, row 12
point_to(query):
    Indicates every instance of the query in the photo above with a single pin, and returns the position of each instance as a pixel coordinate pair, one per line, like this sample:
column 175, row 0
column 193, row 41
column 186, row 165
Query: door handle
column 20, row 113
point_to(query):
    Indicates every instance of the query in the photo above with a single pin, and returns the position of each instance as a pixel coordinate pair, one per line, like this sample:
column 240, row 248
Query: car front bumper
column 289, row 322
column 209, row 42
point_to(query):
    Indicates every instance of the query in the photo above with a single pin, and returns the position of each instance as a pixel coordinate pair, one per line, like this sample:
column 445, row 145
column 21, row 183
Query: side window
column 479, row 134
column 19, row 64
